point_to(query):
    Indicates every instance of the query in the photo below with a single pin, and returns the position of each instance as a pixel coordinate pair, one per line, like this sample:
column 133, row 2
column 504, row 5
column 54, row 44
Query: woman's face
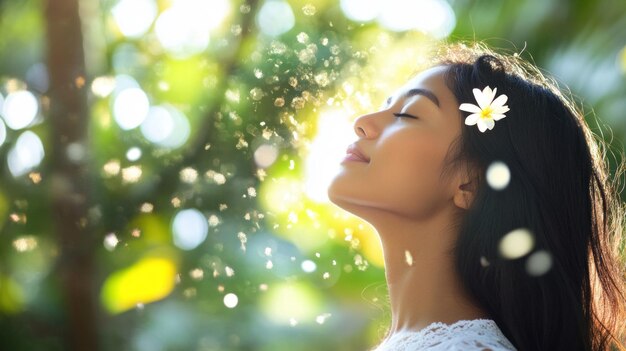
column 405, row 154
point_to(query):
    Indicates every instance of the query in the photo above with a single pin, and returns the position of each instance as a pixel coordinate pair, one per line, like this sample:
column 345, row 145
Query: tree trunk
column 69, row 174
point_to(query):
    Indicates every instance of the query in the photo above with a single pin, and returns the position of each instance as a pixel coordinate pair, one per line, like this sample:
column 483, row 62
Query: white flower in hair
column 488, row 110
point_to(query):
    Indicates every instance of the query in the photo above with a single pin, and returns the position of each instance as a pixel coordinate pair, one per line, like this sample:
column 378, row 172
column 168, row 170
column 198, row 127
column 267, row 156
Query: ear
column 464, row 191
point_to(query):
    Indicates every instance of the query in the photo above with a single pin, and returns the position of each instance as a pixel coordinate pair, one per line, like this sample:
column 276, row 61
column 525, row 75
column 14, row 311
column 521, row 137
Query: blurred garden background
column 164, row 163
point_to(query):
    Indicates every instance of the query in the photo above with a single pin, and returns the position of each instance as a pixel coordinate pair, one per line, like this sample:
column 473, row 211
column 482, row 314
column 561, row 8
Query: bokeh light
column 361, row 10
column 103, row 86
column 190, row 228
column 130, row 108
column 539, row 263
column 166, row 126
column 275, row 18
column 150, row 279
column 516, row 243
column 3, row 132
column 308, row 266
column 265, row 155
column 498, row 175
column 230, row 300
column 19, row 109
column 110, row 241
column 26, row 154
column 133, row 154
column 134, row 17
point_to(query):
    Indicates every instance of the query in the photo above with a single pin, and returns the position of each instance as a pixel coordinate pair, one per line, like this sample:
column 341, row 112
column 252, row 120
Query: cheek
column 409, row 168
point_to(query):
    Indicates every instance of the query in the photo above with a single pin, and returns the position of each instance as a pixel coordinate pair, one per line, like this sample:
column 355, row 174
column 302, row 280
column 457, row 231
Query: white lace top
column 468, row 335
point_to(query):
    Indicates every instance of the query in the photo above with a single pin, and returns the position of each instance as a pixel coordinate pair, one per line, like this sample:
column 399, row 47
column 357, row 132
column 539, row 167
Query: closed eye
column 404, row 115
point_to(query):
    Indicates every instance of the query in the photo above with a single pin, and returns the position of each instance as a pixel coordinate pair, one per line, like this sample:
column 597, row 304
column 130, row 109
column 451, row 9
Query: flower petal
column 481, row 125
column 472, row 119
column 470, row 108
column 489, row 123
column 481, row 99
column 499, row 101
column 500, row 109
column 489, row 93
column 497, row 116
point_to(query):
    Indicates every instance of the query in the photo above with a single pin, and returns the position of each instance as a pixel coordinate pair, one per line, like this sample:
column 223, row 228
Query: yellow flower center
column 486, row 112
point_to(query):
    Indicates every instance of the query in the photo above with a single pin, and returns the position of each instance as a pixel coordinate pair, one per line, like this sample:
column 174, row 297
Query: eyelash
column 404, row 115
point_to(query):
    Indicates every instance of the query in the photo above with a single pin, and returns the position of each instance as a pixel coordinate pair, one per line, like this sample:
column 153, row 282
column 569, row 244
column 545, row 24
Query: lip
column 354, row 154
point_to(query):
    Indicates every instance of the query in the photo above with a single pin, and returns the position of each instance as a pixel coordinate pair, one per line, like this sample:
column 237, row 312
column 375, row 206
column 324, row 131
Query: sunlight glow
column 281, row 194
column 184, row 28
column 290, row 302
column 433, row 17
column 361, row 10
column 326, row 152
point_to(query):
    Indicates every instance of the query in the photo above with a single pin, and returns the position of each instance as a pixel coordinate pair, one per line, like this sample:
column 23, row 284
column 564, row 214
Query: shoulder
column 474, row 335
column 467, row 335
column 475, row 344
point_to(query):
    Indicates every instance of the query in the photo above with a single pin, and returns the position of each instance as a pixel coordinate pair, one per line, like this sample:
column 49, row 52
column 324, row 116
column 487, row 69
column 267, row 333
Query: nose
column 365, row 126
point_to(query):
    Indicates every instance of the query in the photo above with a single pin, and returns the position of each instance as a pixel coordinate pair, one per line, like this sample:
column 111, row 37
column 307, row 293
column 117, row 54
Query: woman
column 499, row 226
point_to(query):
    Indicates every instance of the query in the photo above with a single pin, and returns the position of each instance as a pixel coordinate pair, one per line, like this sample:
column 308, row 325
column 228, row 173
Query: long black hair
column 559, row 191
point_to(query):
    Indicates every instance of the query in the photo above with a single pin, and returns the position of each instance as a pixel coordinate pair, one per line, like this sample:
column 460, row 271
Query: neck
column 419, row 267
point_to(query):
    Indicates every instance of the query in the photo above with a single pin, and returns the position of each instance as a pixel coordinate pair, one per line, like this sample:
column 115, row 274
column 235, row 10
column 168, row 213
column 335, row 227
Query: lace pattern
column 469, row 335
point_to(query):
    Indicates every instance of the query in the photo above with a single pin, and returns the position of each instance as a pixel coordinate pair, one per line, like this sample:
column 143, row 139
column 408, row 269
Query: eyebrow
column 418, row 91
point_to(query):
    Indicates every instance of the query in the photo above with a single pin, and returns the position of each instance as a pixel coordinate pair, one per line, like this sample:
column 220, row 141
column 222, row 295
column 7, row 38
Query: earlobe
column 461, row 200
column 465, row 185
column 464, row 195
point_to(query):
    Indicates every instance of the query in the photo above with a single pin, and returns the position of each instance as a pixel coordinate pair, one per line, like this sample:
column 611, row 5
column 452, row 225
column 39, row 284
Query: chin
column 348, row 201
column 332, row 193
